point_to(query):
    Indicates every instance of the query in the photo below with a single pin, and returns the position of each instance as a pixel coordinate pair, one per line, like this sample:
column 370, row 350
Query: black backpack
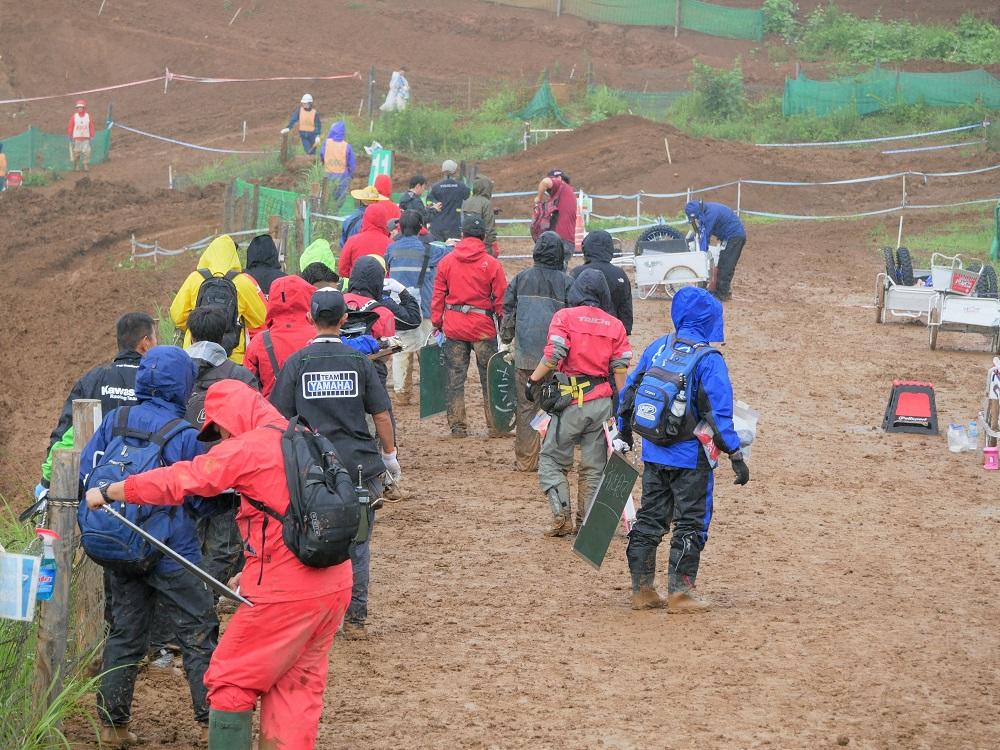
column 324, row 510
column 360, row 322
column 221, row 291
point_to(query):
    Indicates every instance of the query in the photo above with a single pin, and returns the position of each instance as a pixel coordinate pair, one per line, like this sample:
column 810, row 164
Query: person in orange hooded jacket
column 278, row 650
column 287, row 330
column 373, row 239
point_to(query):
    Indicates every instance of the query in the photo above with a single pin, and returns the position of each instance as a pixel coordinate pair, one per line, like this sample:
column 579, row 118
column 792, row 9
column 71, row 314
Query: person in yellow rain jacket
column 219, row 280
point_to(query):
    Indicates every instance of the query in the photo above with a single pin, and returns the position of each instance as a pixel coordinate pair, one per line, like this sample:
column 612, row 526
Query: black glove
column 740, row 468
column 531, row 390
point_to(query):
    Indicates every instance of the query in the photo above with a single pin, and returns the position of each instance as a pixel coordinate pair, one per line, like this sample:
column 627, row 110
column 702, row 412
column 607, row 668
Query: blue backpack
column 106, row 540
column 660, row 388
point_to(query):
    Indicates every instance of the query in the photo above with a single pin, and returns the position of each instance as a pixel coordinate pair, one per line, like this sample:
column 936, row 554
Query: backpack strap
column 163, row 435
column 370, row 305
column 205, row 273
column 423, row 267
column 121, row 428
column 265, row 509
column 231, row 275
column 269, row 348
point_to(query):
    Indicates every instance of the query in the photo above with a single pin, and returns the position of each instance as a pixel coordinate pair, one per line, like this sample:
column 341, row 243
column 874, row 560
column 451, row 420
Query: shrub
column 779, row 18
column 718, row 93
column 604, row 102
column 993, row 136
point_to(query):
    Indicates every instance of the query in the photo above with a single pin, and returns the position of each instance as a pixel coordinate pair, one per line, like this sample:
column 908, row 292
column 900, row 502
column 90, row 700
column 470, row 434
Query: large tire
column 987, row 284
column 890, row 264
column 933, row 329
column 904, row 267
column 660, row 232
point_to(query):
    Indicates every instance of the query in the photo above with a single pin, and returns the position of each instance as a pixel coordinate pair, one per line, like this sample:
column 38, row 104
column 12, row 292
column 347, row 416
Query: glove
column 285, row 131
column 41, row 491
column 392, row 466
column 392, row 285
column 620, row 445
column 531, row 390
column 741, row 469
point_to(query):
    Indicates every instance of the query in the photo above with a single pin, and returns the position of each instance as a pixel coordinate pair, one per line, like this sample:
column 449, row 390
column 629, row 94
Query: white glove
column 393, row 286
column 392, row 466
column 285, row 131
column 620, row 445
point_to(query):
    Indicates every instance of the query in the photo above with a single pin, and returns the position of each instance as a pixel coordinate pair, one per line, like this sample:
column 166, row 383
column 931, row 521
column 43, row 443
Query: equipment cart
column 954, row 309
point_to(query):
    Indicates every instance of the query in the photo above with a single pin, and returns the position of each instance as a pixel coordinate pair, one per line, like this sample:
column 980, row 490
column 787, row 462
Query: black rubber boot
column 229, row 730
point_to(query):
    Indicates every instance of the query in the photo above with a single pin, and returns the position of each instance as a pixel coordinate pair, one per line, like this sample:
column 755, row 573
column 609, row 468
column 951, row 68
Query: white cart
column 894, row 300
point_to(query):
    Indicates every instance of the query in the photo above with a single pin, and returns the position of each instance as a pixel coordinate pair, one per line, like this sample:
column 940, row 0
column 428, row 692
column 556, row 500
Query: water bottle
column 956, row 437
column 972, row 436
column 47, row 571
column 677, row 410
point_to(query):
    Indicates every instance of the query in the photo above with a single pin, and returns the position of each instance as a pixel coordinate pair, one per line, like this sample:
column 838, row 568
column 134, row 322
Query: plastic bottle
column 972, row 436
column 956, row 437
column 47, row 571
column 677, row 409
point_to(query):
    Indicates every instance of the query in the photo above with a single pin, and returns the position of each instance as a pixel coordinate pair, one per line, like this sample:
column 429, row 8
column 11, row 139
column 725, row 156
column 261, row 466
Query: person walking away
column 557, row 201
column 677, row 479
column 220, row 539
column 263, row 265
column 218, row 279
column 286, row 330
column 399, row 92
column 445, row 202
column 413, row 263
column 467, row 303
column 320, row 275
column 412, row 199
column 319, row 251
column 338, row 159
column 598, row 250
column 277, row 651
column 719, row 221
column 163, row 384
column 373, row 239
column 533, row 297
column 3, row 169
column 80, row 131
column 306, row 119
column 481, row 204
column 587, row 347
column 383, row 184
column 333, row 387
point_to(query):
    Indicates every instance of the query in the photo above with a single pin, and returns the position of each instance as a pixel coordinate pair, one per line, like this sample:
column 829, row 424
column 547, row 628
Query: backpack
column 221, row 291
column 541, row 220
column 658, row 390
column 324, row 511
column 106, row 540
column 359, row 325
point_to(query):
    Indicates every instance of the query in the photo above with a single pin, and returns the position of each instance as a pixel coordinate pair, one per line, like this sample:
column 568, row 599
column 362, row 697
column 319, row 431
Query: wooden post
column 299, row 224
column 666, row 145
column 590, row 75
column 677, row 18
column 739, row 195
column 274, row 226
column 87, row 596
column 371, row 92
column 284, row 148
column 558, row 8
column 53, row 626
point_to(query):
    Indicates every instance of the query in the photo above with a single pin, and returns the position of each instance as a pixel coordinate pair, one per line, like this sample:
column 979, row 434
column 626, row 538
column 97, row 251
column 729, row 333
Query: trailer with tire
column 965, row 300
column 901, row 291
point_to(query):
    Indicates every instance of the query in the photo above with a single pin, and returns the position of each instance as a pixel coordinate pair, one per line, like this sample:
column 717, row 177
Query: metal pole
column 558, row 8
column 903, row 204
column 899, row 235
column 166, row 79
column 739, row 195
column 371, row 91
column 244, row 131
column 218, row 586
column 677, row 18
column 638, row 208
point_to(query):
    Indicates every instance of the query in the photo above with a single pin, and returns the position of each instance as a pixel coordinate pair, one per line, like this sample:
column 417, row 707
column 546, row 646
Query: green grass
column 969, row 235
column 230, row 168
column 40, row 177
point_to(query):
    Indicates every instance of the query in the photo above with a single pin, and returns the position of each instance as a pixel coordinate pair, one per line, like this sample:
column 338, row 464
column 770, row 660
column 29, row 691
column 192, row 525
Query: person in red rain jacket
column 373, row 238
column 383, row 183
column 278, row 650
column 467, row 304
column 79, row 131
column 286, row 329
column 589, row 347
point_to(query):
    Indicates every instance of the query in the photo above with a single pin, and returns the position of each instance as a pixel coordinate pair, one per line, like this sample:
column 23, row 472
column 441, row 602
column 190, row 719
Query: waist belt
column 579, row 386
column 468, row 309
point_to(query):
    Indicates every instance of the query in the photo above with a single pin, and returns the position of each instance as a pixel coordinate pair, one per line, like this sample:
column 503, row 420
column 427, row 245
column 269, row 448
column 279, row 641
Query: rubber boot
column 120, row 736
column 229, row 730
column 682, row 599
column 562, row 525
column 644, row 594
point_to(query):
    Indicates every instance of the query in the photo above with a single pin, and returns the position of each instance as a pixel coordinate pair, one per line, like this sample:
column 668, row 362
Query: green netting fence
column 706, row 18
column 36, row 149
column 651, row 105
column 542, row 106
column 877, row 89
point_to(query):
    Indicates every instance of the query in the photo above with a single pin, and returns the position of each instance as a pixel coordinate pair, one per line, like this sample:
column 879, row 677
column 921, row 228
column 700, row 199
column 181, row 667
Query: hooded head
column 237, row 408
column 288, row 302
column 697, row 315
column 166, row 376
column 383, row 183
column 262, row 252
column 368, row 277
column 376, row 217
column 318, row 252
column 598, row 246
column 694, row 209
column 590, row 289
column 337, row 131
column 549, row 251
column 483, row 186
column 220, row 256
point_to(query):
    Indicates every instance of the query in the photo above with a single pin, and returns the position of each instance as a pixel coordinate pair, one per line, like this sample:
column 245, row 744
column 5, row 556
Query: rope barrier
column 934, row 148
column 885, row 139
column 186, row 144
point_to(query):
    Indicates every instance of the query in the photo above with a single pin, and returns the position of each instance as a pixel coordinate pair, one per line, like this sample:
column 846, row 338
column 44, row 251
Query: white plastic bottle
column 972, row 436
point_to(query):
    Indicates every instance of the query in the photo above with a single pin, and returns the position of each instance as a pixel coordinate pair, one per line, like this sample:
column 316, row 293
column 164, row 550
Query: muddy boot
column 115, row 737
column 404, row 396
column 682, row 599
column 562, row 525
column 353, row 631
column 229, row 730
column 644, row 594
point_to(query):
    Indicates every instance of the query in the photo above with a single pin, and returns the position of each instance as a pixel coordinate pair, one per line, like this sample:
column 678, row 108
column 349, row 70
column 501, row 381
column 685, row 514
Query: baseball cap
column 327, row 300
column 473, row 226
column 558, row 173
column 448, row 166
column 307, row 99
